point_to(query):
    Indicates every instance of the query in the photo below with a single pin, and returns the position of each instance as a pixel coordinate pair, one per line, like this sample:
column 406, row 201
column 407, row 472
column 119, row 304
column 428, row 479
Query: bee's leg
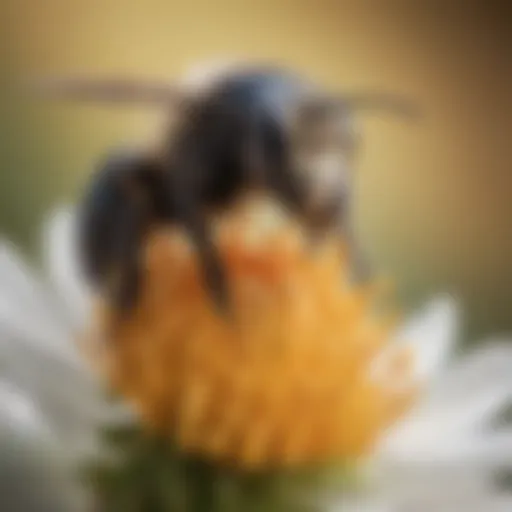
column 212, row 267
column 361, row 271
column 288, row 191
column 129, row 244
column 337, row 221
column 189, row 212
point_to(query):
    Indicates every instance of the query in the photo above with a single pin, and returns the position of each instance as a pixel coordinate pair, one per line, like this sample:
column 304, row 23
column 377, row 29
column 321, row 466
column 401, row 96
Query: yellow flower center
column 289, row 382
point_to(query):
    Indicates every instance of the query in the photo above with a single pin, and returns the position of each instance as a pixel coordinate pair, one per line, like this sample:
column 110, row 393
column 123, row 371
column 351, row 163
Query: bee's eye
column 324, row 126
column 328, row 136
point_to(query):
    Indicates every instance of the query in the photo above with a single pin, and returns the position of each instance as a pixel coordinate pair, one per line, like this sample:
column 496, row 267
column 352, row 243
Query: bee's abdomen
column 106, row 208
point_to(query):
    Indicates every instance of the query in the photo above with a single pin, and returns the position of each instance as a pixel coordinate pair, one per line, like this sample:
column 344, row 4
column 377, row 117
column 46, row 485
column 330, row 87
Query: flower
column 441, row 455
column 289, row 382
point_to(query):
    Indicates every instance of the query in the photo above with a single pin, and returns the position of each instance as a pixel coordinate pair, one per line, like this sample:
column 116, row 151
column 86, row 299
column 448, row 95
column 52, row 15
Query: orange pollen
column 289, row 381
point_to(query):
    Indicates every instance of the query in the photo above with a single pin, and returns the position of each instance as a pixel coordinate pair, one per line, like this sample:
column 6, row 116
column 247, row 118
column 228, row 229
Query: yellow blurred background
column 434, row 200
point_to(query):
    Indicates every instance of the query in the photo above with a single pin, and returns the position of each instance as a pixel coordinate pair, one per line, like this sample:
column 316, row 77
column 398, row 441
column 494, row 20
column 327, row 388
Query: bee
column 256, row 127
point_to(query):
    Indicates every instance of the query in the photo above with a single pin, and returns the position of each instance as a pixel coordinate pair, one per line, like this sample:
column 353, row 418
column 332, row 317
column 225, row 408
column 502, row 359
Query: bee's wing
column 395, row 104
column 111, row 90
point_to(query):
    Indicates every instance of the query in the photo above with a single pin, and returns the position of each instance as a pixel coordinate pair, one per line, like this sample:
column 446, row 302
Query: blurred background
column 434, row 200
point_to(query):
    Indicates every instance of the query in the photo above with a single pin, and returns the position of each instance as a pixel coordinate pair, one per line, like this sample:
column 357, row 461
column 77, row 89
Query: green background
column 434, row 202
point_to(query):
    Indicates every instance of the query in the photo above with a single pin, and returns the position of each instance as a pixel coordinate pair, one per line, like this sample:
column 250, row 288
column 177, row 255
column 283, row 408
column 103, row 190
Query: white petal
column 18, row 410
column 362, row 506
column 492, row 450
column 434, row 501
column 429, row 427
column 437, row 489
column 24, row 291
column 485, row 451
column 432, row 334
column 28, row 307
column 15, row 275
column 62, row 263
column 452, row 428
column 485, row 368
column 496, row 504
column 443, row 487
column 68, row 395
column 35, row 474
column 463, row 401
column 34, row 333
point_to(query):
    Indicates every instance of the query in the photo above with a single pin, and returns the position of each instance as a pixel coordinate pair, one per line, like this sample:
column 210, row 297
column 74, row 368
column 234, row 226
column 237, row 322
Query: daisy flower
column 312, row 400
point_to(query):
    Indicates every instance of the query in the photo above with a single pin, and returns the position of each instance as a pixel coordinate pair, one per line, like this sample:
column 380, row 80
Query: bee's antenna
column 112, row 90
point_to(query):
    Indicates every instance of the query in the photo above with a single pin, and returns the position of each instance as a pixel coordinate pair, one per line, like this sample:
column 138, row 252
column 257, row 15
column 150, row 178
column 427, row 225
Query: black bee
column 250, row 128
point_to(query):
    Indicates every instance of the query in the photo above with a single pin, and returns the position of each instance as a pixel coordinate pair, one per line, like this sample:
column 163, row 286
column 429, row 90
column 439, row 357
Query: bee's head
column 324, row 143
